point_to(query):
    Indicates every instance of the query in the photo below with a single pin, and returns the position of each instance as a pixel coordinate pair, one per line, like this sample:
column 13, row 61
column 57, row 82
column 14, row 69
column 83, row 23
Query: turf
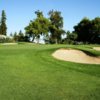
column 29, row 72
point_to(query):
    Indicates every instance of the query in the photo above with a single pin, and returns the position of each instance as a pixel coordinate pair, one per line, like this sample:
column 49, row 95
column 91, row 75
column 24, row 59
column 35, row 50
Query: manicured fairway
column 29, row 72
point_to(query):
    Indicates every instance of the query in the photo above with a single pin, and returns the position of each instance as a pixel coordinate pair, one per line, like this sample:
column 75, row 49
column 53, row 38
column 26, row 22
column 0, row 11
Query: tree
column 88, row 30
column 3, row 27
column 83, row 30
column 56, row 25
column 15, row 36
column 38, row 27
column 95, row 30
column 70, row 38
column 21, row 36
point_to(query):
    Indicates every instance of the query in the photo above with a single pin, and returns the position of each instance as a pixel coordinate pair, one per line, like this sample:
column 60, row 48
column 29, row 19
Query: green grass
column 29, row 72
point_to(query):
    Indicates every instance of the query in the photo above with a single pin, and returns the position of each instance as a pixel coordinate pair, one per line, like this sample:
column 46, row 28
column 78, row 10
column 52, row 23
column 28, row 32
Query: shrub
column 5, row 39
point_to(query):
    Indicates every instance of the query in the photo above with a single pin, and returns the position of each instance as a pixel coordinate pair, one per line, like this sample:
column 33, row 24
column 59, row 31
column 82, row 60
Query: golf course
column 30, row 72
column 49, row 49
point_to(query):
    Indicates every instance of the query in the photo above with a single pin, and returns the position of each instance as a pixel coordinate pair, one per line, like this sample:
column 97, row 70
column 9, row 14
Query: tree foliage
column 70, row 38
column 95, row 30
column 39, row 26
column 83, row 29
column 56, row 26
column 20, row 37
column 88, row 30
column 3, row 27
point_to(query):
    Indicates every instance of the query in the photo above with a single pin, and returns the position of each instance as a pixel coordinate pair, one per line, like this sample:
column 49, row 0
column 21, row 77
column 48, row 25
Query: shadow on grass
column 90, row 69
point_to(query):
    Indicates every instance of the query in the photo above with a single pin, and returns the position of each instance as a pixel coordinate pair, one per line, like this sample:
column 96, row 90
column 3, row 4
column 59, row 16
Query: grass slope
column 29, row 72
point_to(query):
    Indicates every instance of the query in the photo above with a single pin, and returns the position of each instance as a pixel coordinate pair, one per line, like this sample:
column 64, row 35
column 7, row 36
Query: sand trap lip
column 96, row 48
column 8, row 43
column 75, row 56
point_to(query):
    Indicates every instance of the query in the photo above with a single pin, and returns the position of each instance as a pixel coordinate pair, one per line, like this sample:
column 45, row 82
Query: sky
column 20, row 12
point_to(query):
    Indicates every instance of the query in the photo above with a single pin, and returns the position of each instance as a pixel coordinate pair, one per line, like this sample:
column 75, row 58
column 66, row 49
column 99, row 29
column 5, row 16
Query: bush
column 5, row 39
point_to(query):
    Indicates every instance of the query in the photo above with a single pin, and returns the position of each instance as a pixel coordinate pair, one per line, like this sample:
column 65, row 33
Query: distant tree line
column 19, row 37
column 51, row 29
column 86, row 31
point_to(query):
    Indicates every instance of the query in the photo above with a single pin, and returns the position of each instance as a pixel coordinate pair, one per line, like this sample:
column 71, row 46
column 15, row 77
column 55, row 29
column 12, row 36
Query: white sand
column 96, row 48
column 75, row 56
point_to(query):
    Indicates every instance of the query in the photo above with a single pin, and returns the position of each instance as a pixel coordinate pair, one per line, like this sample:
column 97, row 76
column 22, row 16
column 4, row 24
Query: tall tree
column 88, row 30
column 39, row 26
column 95, row 30
column 3, row 27
column 83, row 30
column 56, row 25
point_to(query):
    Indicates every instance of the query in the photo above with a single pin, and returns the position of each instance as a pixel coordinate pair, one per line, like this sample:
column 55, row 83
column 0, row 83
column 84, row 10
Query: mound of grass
column 29, row 72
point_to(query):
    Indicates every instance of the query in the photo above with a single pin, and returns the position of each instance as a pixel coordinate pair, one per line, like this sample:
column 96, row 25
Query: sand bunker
column 75, row 56
column 96, row 48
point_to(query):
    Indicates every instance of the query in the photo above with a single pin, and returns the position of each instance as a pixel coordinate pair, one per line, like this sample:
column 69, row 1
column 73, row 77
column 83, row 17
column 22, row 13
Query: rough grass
column 29, row 72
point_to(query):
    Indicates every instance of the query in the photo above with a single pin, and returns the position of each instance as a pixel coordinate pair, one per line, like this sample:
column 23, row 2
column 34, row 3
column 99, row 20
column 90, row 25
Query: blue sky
column 20, row 12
